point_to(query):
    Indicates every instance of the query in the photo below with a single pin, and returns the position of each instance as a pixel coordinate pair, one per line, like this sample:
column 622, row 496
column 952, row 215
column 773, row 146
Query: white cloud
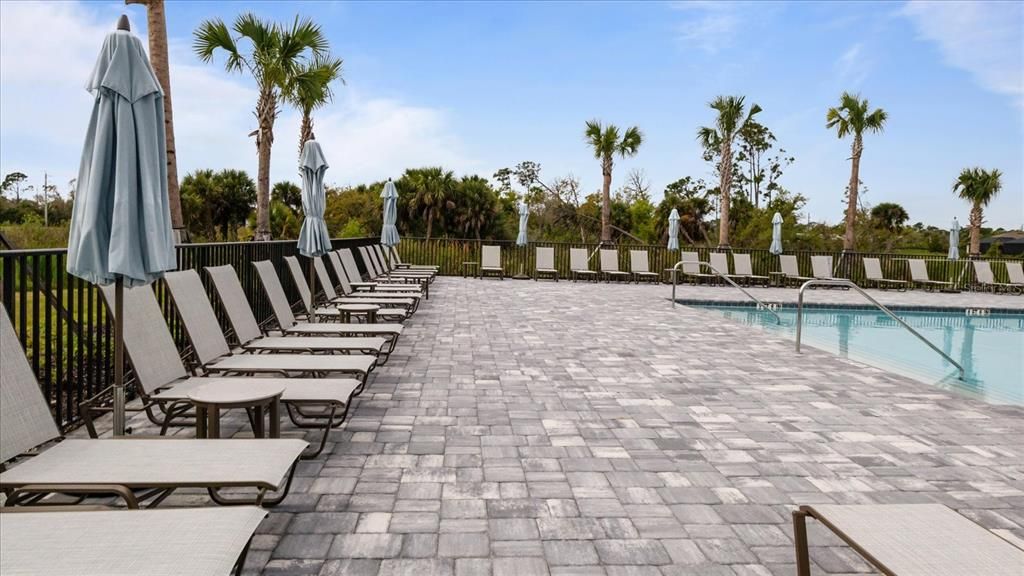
column 983, row 38
column 710, row 26
column 852, row 66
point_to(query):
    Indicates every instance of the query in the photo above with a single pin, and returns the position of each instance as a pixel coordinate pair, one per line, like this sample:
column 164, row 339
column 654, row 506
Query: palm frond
column 631, row 141
column 708, row 138
column 214, row 34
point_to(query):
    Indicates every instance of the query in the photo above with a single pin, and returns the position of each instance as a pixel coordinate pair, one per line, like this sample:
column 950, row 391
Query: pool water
column 990, row 348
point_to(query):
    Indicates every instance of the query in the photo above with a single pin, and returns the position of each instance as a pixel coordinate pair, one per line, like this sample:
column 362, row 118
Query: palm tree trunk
column 430, row 222
column 976, row 220
column 606, row 205
column 156, row 29
column 725, row 183
column 305, row 131
column 266, row 111
column 851, row 202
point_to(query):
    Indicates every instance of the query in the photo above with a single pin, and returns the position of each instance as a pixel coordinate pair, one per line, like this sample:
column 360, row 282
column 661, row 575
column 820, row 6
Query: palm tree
column 731, row 120
column 476, row 205
column 310, row 88
column 277, row 53
column 432, row 190
column 606, row 144
column 156, row 30
column 978, row 186
column 854, row 116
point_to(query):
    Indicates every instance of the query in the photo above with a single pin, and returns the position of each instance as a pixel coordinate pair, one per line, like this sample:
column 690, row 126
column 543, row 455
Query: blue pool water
column 990, row 348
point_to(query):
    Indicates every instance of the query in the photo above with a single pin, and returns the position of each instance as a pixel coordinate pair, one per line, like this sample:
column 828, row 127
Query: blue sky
column 478, row 86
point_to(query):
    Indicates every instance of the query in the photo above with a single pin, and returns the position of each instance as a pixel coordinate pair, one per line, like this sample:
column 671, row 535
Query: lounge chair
column 195, row 541
column 546, row 263
column 640, row 268
column 791, row 269
column 873, row 275
column 919, row 276
column 379, row 272
column 344, row 264
column 407, row 301
column 610, row 266
column 821, row 267
column 288, row 325
column 330, row 312
column 490, row 261
column 910, row 539
column 118, row 467
column 1016, row 273
column 745, row 270
column 720, row 262
column 692, row 268
column 396, row 262
column 385, row 266
column 579, row 264
column 986, row 279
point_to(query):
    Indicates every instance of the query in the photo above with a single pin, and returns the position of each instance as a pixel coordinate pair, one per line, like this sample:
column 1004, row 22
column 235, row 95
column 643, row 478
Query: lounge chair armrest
column 115, row 489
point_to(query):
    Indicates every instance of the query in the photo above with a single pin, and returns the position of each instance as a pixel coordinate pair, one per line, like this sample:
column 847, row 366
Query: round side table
column 262, row 398
column 369, row 311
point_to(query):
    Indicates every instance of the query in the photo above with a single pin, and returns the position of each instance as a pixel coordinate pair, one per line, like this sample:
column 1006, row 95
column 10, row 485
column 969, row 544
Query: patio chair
column 919, row 276
column 821, row 267
column 546, row 263
column 330, row 312
column 385, row 265
column 579, row 264
column 407, row 301
column 288, row 325
column 378, row 272
column 195, row 541
column 344, row 264
column 692, row 268
column 640, row 268
column 910, row 539
column 1016, row 273
column 396, row 262
column 745, row 270
column 791, row 269
column 720, row 262
column 873, row 275
column 250, row 337
column 118, row 467
column 490, row 261
column 987, row 280
column 610, row 266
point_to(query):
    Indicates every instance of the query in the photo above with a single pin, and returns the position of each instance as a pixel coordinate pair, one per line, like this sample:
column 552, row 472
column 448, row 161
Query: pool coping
column 846, row 306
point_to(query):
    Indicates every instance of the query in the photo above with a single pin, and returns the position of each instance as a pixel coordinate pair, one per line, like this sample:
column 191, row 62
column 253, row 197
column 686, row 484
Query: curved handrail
column 675, row 281
column 889, row 313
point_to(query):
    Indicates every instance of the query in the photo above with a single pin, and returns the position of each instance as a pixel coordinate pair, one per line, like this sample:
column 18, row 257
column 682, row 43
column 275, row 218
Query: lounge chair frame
column 545, row 257
column 640, row 268
column 610, row 266
column 579, row 265
column 490, row 262
column 873, row 276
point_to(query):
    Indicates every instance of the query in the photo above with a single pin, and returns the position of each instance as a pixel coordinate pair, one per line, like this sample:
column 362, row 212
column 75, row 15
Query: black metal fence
column 63, row 324
column 450, row 254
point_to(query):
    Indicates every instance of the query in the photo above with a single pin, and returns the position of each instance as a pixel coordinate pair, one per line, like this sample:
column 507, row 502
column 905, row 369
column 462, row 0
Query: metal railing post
column 761, row 305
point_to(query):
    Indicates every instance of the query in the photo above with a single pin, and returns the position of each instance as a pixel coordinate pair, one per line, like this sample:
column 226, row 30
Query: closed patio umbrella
column 954, row 240
column 524, row 217
column 314, row 239
column 673, row 230
column 121, row 222
column 776, row 247
column 389, row 234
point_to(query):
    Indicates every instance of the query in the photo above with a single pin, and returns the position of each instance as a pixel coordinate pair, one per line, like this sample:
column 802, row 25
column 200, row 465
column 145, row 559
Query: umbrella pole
column 119, row 400
column 312, row 292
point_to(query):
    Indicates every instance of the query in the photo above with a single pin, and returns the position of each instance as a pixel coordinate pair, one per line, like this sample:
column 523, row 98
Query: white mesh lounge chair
column 821, row 267
column 910, row 539
column 640, row 268
column 378, row 273
column 405, row 301
column 791, row 269
column 745, row 270
column 195, row 541
column 120, row 466
column 382, row 263
column 330, row 312
column 692, row 269
column 546, row 263
column 1016, row 273
column 720, row 262
column 579, row 264
column 919, row 276
column 490, row 262
column 396, row 262
column 873, row 275
column 987, row 280
column 610, row 266
column 344, row 265
column 288, row 325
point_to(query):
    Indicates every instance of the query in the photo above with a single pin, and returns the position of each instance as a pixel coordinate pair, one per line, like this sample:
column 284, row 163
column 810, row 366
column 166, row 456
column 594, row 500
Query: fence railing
column 449, row 254
column 65, row 329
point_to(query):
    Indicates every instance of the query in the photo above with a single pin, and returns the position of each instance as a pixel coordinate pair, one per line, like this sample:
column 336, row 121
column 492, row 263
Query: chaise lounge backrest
column 235, row 303
column 25, row 419
column 720, row 261
column 578, row 259
column 197, row 314
column 789, row 265
column 821, row 266
column 325, row 279
column 1016, row 272
column 638, row 261
column 873, row 269
column 300, row 282
column 490, row 257
column 741, row 263
column 983, row 271
column 275, row 293
column 609, row 260
column 918, row 270
column 691, row 262
column 545, row 258
column 348, row 260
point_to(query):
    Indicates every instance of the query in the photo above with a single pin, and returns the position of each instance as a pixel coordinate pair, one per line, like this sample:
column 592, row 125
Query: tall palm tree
column 978, row 186
column 432, row 190
column 606, row 143
column 277, row 53
column 310, row 88
column 854, row 116
column 732, row 118
column 156, row 30
column 477, row 204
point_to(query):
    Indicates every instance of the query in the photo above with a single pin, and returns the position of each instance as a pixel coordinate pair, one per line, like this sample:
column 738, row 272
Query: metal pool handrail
column 675, row 280
column 876, row 303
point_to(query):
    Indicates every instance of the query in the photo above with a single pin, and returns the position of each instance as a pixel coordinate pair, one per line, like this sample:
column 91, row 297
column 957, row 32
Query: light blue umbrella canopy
column 776, row 247
column 314, row 240
column 389, row 234
column 673, row 230
column 954, row 240
column 524, row 217
column 121, row 223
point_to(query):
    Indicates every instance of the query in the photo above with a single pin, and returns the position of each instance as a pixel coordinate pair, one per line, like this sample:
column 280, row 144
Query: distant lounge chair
column 397, row 311
column 546, row 263
column 378, row 272
column 720, row 262
column 410, row 302
column 791, row 269
column 490, row 262
column 910, row 539
column 396, row 262
column 873, row 275
column 344, row 262
column 610, row 266
column 692, row 268
column 745, row 270
column 196, row 541
column 389, row 268
column 821, row 267
column 640, row 268
column 919, row 276
column 579, row 264
column 1016, row 273
column 119, row 467
column 986, row 279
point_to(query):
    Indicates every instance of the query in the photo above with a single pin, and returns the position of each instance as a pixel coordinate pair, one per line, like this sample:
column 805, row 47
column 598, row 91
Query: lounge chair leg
column 803, row 561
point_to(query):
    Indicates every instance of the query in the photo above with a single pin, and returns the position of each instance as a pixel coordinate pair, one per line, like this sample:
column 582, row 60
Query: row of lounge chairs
column 321, row 366
column 579, row 265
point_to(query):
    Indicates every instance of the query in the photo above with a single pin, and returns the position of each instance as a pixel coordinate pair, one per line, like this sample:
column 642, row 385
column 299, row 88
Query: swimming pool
column 990, row 348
